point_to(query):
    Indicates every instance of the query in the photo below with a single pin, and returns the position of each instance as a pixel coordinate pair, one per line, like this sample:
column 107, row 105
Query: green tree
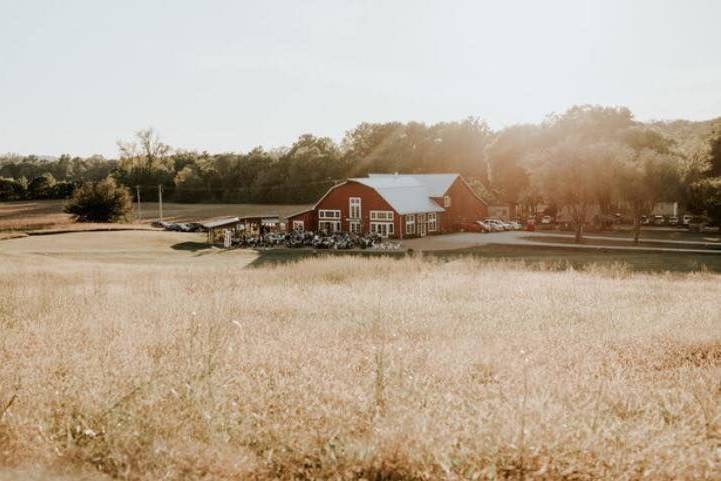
column 41, row 187
column 714, row 151
column 590, row 123
column 11, row 189
column 303, row 172
column 189, row 185
column 567, row 175
column 416, row 147
column 63, row 190
column 103, row 201
column 145, row 161
column 708, row 193
column 644, row 179
column 507, row 174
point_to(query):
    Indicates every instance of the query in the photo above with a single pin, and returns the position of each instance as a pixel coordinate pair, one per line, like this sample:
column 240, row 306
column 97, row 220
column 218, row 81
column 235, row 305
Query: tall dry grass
column 350, row 368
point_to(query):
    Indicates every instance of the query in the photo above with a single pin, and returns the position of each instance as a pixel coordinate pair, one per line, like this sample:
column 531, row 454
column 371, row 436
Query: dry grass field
column 48, row 214
column 354, row 368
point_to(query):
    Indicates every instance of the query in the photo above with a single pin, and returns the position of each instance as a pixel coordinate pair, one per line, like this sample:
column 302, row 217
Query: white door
column 329, row 226
column 422, row 226
column 383, row 229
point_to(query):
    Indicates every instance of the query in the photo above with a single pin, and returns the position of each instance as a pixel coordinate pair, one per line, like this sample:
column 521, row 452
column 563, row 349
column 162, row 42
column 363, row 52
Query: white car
column 497, row 225
column 515, row 225
column 485, row 226
column 686, row 219
column 547, row 219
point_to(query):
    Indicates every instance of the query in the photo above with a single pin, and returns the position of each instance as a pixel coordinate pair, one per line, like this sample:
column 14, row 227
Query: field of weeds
column 357, row 368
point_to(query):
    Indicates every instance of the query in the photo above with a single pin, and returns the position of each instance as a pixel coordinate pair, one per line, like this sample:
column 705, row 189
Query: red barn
column 394, row 205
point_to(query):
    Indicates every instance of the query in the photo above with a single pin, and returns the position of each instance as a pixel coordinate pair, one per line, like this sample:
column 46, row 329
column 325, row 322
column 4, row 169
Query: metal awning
column 215, row 223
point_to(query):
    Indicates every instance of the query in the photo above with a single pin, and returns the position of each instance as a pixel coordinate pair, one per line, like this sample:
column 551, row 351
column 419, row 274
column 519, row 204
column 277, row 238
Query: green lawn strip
column 563, row 258
column 623, row 243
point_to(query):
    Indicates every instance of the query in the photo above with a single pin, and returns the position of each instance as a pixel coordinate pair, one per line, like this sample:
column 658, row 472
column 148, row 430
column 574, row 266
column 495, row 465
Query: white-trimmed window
column 355, row 227
column 329, row 226
column 354, row 207
column 447, row 201
column 410, row 224
column 383, row 229
column 328, row 214
column 382, row 215
column 298, row 225
column 432, row 222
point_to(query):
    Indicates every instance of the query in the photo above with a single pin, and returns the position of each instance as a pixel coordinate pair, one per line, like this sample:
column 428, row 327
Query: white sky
column 76, row 75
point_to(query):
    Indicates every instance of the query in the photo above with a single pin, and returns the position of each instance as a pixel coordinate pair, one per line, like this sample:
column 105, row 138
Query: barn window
column 355, row 227
column 298, row 225
column 328, row 214
column 382, row 215
column 410, row 224
column 432, row 222
column 447, row 201
column 354, row 207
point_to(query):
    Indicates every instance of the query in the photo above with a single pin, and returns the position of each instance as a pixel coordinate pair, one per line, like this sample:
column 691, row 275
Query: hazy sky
column 75, row 76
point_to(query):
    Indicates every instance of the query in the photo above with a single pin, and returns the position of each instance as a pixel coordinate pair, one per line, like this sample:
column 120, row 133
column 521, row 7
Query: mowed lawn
column 80, row 251
column 193, row 368
column 561, row 258
column 48, row 214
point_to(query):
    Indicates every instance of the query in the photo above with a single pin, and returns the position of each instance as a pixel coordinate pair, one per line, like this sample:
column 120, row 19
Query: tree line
column 587, row 155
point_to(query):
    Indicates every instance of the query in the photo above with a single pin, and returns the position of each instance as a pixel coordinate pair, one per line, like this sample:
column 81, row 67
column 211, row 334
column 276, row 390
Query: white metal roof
column 213, row 223
column 405, row 194
column 437, row 184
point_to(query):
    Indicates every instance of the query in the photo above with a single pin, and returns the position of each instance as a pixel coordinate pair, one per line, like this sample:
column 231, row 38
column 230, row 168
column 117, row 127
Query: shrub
column 102, row 201
column 63, row 190
column 11, row 189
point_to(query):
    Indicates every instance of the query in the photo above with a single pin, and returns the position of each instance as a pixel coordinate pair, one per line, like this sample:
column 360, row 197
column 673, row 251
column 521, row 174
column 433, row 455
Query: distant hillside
column 686, row 133
column 47, row 158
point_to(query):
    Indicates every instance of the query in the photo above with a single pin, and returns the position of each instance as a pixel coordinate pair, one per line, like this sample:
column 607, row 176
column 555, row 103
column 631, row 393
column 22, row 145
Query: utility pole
column 140, row 211
column 160, row 201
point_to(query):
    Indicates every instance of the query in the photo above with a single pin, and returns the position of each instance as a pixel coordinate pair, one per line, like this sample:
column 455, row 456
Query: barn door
column 422, row 225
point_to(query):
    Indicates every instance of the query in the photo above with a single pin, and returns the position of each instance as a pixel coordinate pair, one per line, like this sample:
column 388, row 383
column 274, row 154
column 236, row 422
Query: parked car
column 659, row 220
column 496, row 224
column 515, row 225
column 686, row 219
column 477, row 226
column 484, row 226
column 547, row 219
column 673, row 220
column 645, row 220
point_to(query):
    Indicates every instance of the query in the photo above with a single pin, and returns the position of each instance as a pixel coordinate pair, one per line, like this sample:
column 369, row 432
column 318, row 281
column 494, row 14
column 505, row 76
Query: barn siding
column 308, row 218
column 337, row 199
column 465, row 206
